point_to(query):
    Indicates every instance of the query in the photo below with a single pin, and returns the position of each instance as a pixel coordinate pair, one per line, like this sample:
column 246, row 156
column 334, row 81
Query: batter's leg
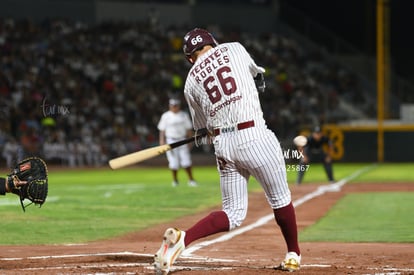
column 215, row 222
column 234, row 199
column 272, row 177
column 286, row 219
column 277, row 192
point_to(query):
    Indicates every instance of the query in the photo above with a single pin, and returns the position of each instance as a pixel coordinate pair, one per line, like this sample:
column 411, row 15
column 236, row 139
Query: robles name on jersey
column 212, row 62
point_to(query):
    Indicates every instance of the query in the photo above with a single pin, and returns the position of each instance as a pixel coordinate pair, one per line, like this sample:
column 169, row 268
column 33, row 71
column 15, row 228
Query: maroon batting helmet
column 197, row 39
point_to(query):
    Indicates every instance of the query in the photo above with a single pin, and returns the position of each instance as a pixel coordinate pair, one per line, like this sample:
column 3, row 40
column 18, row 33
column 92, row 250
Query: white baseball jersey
column 222, row 95
column 220, row 88
column 176, row 126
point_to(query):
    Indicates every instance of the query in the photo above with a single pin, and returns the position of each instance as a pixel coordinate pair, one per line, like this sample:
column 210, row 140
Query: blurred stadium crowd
column 79, row 94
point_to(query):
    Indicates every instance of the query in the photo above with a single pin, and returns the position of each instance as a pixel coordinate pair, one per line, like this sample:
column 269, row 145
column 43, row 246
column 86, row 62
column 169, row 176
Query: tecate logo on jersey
column 211, row 62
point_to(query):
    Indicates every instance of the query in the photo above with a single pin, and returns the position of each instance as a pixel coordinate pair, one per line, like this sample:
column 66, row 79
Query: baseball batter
column 175, row 125
column 222, row 96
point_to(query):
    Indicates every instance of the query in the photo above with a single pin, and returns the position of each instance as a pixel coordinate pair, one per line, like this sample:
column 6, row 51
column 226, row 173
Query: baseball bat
column 152, row 152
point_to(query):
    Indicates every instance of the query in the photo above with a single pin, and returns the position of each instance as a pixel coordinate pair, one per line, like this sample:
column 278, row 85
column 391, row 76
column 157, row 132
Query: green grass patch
column 389, row 172
column 382, row 172
column 366, row 217
column 86, row 205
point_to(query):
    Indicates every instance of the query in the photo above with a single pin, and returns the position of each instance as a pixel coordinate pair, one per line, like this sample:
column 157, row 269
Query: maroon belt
column 240, row 126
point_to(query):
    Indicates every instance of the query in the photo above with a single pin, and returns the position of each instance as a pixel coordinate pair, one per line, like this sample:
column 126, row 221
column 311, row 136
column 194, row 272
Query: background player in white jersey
column 175, row 125
column 222, row 96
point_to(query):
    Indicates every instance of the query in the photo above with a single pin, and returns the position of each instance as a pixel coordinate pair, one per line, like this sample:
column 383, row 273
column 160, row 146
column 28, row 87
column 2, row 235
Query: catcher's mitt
column 33, row 171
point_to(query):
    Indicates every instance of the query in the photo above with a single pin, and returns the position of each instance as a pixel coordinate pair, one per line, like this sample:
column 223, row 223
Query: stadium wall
column 360, row 144
column 83, row 10
column 247, row 17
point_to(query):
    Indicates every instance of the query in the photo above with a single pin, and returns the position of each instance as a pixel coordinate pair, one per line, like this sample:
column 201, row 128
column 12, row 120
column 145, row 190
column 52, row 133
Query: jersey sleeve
column 197, row 116
column 254, row 68
column 162, row 123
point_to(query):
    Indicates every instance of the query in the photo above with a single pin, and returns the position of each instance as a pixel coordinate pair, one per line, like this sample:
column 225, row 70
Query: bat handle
column 200, row 133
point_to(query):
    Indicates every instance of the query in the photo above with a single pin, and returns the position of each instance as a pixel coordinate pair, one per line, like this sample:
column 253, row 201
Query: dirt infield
column 255, row 251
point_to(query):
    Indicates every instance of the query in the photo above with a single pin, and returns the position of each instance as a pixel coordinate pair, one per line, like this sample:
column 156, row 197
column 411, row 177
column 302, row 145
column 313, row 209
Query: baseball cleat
column 290, row 263
column 171, row 248
column 174, row 183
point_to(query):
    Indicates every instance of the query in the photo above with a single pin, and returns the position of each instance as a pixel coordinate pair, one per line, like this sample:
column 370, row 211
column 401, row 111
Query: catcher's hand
column 29, row 181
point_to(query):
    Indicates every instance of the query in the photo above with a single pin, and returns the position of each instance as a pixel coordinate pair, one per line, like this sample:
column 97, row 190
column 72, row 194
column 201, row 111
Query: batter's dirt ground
column 253, row 252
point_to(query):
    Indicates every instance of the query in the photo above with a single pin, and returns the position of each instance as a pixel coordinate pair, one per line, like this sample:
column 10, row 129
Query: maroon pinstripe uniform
column 222, row 96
